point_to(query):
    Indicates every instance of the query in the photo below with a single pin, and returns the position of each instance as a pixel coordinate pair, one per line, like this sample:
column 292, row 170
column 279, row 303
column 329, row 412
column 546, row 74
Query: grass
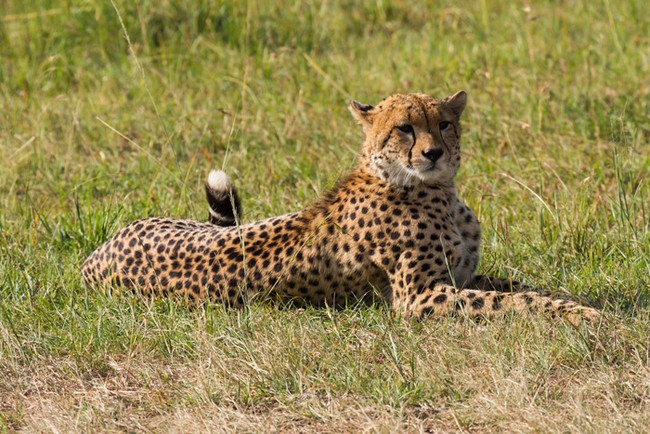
column 95, row 132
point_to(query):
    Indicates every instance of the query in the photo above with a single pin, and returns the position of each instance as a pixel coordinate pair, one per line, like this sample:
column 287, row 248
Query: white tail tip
column 218, row 180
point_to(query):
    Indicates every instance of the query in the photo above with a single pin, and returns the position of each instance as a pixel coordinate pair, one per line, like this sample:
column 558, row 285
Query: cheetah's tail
column 223, row 201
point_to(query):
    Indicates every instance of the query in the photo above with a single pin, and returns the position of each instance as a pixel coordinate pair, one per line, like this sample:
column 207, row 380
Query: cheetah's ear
column 456, row 102
column 361, row 113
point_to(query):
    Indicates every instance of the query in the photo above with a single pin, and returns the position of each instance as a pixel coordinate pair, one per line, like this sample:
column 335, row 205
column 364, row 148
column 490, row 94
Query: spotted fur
column 392, row 228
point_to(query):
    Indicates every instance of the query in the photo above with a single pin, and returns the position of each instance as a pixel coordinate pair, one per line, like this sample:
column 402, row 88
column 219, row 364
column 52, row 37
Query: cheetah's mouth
column 422, row 170
column 428, row 168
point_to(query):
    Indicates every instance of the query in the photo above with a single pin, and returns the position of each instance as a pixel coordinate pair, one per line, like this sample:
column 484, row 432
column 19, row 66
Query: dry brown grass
column 457, row 376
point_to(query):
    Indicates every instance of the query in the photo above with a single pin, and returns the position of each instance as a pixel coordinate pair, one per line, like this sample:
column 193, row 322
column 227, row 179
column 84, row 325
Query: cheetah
column 393, row 228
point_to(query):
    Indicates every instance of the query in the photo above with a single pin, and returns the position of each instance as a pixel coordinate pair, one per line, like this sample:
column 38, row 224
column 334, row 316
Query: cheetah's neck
column 361, row 182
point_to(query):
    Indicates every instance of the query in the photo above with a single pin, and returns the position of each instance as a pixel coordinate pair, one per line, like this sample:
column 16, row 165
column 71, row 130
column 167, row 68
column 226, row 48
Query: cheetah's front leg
column 443, row 299
column 413, row 296
column 491, row 283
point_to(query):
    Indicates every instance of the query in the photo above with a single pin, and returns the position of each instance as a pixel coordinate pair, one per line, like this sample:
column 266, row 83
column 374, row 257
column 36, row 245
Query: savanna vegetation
column 112, row 111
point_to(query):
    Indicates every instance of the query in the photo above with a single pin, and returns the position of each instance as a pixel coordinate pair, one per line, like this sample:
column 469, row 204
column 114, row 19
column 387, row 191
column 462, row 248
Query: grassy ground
column 95, row 132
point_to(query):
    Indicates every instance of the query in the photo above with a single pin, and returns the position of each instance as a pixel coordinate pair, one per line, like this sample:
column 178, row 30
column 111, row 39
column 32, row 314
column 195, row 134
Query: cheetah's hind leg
column 491, row 283
column 223, row 200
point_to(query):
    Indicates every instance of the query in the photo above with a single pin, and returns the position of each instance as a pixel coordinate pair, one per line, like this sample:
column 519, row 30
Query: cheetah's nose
column 432, row 154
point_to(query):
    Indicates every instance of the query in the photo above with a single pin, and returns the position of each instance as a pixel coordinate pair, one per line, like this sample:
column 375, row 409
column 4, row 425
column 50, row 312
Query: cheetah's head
column 412, row 139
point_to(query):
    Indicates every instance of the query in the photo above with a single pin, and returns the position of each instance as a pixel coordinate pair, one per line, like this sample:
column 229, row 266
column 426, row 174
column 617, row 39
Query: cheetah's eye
column 444, row 125
column 406, row 128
